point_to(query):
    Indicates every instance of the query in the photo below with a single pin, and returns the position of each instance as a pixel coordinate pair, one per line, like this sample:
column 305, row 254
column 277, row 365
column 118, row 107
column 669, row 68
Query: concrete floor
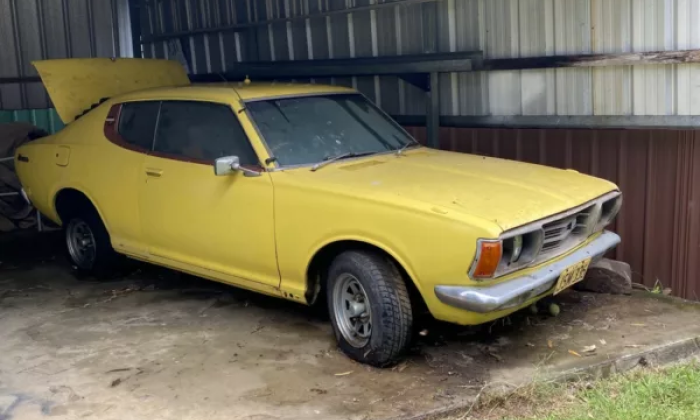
column 160, row 345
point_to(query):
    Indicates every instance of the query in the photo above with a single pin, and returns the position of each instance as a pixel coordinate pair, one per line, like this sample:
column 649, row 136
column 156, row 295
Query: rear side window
column 201, row 131
column 137, row 123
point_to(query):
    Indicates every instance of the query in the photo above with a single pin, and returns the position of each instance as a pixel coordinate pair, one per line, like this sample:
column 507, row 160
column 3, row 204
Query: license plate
column 572, row 275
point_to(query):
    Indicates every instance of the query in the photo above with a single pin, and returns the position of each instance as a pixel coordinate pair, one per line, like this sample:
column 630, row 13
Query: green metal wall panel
column 46, row 119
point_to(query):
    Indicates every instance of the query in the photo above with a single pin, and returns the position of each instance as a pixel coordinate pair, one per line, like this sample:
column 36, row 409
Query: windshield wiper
column 330, row 159
column 403, row 148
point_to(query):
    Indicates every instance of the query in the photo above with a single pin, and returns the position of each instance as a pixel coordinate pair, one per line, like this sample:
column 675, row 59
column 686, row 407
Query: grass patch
column 671, row 394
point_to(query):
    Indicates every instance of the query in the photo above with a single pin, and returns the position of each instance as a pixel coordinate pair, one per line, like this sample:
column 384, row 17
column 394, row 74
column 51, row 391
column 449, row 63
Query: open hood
column 76, row 84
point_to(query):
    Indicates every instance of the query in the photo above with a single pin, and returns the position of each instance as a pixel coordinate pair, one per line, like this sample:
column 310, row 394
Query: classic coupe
column 308, row 193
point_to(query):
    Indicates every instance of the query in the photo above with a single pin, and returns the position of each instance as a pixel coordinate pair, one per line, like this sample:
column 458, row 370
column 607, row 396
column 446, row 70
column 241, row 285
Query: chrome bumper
column 518, row 290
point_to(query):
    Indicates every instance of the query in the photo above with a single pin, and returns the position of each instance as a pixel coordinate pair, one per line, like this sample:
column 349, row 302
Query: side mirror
column 229, row 164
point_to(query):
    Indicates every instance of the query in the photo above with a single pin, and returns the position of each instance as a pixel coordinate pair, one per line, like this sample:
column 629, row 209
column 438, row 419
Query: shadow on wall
column 658, row 172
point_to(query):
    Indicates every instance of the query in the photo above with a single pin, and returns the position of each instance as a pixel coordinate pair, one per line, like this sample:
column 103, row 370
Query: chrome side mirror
column 229, row 164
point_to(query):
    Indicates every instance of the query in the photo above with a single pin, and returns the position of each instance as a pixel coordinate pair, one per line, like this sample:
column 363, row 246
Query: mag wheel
column 369, row 307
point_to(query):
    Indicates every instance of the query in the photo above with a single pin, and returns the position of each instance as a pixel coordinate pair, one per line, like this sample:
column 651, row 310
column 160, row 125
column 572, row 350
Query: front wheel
column 369, row 307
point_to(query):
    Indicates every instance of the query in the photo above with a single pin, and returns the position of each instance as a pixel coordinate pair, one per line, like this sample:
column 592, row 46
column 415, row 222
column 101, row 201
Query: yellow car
column 306, row 193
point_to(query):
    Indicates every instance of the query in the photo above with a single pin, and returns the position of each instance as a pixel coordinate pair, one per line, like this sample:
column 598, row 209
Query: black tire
column 106, row 261
column 389, row 306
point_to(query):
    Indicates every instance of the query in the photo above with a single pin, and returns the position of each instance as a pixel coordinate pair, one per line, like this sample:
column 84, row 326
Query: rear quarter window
column 137, row 123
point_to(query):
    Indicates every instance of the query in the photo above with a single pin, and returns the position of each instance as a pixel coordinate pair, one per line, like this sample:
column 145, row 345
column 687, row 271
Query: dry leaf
column 638, row 325
column 549, row 344
column 603, row 342
column 400, row 367
column 574, row 353
column 496, row 356
column 343, row 373
column 588, row 349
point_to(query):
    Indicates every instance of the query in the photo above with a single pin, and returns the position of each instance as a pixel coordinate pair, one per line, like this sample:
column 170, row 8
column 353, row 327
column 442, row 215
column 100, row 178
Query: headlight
column 495, row 258
column 610, row 209
column 516, row 248
column 594, row 218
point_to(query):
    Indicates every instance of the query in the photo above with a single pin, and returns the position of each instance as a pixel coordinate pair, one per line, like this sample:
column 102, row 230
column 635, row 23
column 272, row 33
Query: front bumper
column 519, row 290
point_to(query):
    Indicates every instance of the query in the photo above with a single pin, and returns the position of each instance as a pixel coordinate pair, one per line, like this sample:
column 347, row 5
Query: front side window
column 201, row 131
column 308, row 129
column 137, row 123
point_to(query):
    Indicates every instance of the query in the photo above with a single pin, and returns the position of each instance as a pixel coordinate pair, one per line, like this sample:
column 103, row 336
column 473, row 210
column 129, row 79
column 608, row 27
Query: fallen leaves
column 400, row 367
column 573, row 353
column 589, row 349
column 496, row 356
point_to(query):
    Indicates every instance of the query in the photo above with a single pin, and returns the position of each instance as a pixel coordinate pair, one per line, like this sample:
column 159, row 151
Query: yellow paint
column 425, row 208
column 62, row 155
column 74, row 85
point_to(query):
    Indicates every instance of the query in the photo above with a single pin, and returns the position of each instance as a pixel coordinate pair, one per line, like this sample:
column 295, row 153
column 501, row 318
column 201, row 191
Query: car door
column 115, row 176
column 221, row 226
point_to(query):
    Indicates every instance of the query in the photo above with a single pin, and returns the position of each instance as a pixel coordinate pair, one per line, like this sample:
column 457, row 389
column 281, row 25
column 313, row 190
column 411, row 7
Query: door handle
column 154, row 172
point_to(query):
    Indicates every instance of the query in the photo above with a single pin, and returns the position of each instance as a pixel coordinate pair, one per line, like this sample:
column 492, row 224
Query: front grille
column 560, row 235
column 553, row 236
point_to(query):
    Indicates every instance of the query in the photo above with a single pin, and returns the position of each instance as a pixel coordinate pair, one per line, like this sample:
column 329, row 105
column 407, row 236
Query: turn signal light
column 488, row 260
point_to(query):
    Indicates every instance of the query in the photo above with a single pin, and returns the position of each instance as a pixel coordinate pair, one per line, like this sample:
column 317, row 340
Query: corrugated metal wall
column 46, row 119
column 404, row 29
column 42, row 29
column 499, row 28
column 520, row 28
column 658, row 172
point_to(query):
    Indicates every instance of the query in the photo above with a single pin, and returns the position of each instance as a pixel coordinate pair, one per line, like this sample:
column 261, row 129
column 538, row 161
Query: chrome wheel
column 81, row 244
column 352, row 312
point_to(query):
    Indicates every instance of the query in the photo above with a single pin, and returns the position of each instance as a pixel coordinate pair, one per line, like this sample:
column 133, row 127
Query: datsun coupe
column 308, row 193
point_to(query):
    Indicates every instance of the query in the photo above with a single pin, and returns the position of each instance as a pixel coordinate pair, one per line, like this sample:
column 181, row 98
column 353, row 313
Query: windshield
column 310, row 129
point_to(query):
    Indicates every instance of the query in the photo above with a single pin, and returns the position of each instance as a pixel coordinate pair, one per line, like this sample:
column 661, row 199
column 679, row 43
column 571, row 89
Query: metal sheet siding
column 519, row 28
column 658, row 172
column 46, row 119
column 43, row 29
column 500, row 28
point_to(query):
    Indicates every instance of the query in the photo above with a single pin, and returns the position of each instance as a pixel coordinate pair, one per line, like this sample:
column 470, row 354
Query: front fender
column 383, row 244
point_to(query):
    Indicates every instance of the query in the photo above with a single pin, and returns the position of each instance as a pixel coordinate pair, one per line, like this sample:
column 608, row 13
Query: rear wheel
column 88, row 245
column 369, row 307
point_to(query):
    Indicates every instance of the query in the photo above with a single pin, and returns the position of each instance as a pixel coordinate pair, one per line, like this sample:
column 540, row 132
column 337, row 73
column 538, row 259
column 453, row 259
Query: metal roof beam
column 559, row 121
column 371, row 66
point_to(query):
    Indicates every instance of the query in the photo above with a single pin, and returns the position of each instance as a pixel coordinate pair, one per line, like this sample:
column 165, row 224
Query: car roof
column 225, row 91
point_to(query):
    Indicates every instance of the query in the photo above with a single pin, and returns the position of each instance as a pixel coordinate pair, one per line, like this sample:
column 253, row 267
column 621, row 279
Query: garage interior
column 609, row 88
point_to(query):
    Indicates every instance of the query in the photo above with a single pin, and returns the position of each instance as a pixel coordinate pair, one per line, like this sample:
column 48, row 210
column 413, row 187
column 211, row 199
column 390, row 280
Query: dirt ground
column 159, row 345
